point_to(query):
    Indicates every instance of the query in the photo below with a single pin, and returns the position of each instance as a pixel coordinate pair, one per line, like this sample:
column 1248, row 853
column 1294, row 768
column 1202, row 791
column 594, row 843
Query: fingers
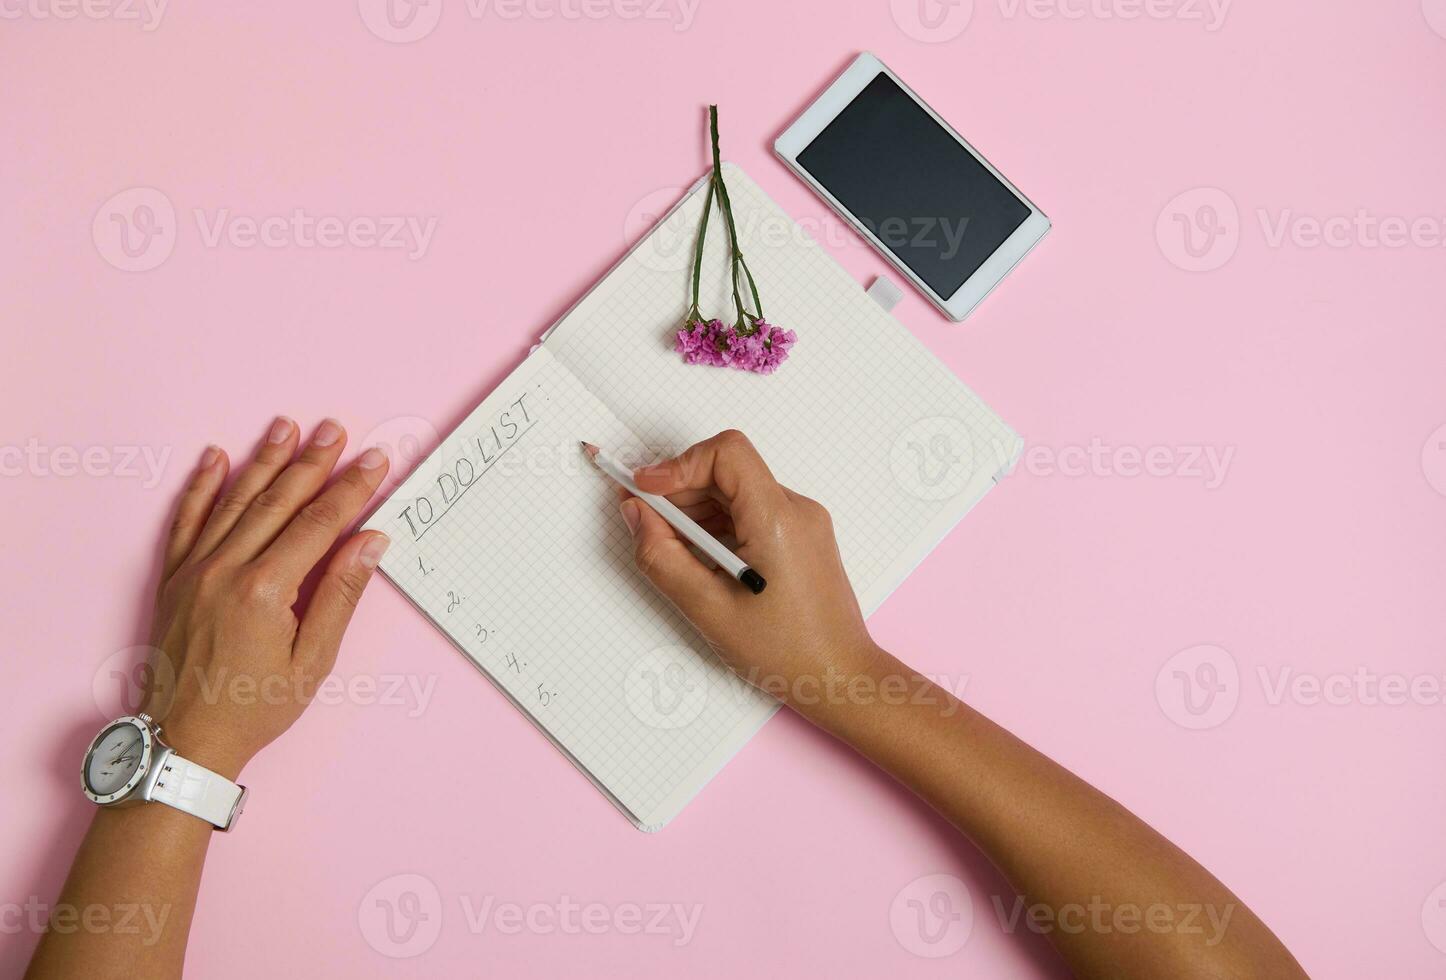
column 691, row 502
column 274, row 507
column 317, row 525
column 725, row 465
column 191, row 510
column 719, row 525
column 319, row 635
column 673, row 569
column 270, row 459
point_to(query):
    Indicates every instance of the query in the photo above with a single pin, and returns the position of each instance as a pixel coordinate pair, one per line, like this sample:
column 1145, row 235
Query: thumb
column 319, row 636
column 673, row 570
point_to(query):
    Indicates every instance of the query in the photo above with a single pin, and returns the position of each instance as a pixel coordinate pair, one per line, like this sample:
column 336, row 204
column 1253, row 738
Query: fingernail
column 209, row 457
column 373, row 550
column 371, row 459
column 280, row 429
column 327, row 434
column 652, row 469
column 631, row 516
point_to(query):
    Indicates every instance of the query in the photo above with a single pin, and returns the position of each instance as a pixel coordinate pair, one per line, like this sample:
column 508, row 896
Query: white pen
column 680, row 521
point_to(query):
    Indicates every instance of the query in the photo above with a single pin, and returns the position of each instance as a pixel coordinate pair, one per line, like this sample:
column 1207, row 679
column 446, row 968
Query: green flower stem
column 725, row 204
column 747, row 322
column 693, row 311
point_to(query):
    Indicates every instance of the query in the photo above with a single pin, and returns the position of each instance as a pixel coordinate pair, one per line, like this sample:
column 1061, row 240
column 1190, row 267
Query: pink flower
column 751, row 343
column 698, row 342
column 760, row 350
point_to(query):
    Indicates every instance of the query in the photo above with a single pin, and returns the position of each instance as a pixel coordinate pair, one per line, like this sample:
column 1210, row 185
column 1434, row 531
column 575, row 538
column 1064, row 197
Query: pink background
column 540, row 145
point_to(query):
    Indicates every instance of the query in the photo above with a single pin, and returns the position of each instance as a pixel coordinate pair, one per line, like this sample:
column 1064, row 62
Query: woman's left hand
column 233, row 666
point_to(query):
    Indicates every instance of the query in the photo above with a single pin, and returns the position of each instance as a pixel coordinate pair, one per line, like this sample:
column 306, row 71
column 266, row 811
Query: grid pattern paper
column 510, row 542
column 508, row 539
column 862, row 417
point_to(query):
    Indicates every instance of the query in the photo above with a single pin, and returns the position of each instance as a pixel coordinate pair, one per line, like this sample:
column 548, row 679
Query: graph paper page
column 862, row 417
column 510, row 542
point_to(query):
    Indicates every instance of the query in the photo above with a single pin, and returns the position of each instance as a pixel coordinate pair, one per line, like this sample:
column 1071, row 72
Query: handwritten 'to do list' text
column 480, row 452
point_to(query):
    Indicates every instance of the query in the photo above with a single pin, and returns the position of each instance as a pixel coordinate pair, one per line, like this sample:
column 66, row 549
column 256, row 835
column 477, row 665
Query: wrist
column 204, row 749
column 880, row 693
column 854, row 676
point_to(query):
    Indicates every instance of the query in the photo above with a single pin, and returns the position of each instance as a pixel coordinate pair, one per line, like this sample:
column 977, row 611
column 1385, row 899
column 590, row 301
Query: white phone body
column 863, row 70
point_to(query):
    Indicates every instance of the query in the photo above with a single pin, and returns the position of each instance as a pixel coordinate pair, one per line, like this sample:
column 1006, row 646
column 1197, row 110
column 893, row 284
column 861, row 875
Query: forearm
column 1117, row 898
column 126, row 907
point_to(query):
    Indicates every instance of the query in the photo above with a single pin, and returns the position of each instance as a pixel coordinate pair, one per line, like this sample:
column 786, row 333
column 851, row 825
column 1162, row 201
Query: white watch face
column 114, row 758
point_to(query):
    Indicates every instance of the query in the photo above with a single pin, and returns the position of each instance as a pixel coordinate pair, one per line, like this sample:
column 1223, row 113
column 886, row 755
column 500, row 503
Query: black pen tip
column 753, row 580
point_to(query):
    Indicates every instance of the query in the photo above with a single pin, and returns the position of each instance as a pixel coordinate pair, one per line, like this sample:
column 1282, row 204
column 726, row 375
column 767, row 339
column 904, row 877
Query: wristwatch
column 127, row 763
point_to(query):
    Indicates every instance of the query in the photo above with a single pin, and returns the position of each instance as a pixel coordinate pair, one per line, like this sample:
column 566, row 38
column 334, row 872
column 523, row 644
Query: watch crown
column 145, row 717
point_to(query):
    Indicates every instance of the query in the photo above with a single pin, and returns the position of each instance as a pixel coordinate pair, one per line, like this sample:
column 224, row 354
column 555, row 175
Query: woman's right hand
column 805, row 627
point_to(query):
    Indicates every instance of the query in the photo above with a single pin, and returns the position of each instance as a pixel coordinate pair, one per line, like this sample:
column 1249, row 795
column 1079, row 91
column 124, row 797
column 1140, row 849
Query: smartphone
column 912, row 186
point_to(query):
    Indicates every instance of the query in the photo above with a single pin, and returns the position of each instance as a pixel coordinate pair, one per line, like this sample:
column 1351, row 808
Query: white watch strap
column 198, row 791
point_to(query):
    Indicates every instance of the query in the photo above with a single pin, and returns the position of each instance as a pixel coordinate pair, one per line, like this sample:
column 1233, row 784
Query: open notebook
column 508, row 541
